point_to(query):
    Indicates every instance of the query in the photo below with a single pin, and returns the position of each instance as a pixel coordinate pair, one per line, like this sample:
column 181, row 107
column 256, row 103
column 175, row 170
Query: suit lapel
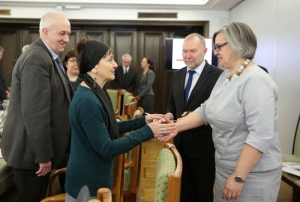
column 180, row 86
column 202, row 79
column 62, row 77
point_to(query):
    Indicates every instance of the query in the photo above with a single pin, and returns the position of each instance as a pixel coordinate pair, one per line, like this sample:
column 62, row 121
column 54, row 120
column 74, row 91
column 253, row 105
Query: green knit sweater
column 92, row 150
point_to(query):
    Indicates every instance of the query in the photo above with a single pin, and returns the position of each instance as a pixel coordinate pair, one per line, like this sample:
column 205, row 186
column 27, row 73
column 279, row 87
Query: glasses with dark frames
column 219, row 46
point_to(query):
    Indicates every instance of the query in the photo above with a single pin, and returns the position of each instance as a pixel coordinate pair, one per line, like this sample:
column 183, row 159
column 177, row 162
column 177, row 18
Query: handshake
column 162, row 126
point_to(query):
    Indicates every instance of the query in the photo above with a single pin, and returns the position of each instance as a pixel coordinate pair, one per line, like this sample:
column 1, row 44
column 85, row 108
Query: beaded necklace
column 239, row 71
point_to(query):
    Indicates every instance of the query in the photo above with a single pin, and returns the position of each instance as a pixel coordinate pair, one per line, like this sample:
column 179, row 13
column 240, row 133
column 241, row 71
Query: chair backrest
column 296, row 147
column 118, row 178
column 132, row 167
column 129, row 109
column 168, row 175
column 115, row 96
column 127, row 98
column 104, row 195
column 138, row 113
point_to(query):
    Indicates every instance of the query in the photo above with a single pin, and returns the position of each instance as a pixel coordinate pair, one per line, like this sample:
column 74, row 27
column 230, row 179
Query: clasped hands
column 161, row 125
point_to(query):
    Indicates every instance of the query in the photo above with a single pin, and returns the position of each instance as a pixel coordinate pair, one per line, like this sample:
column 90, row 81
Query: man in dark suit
column 37, row 129
column 195, row 146
column 125, row 76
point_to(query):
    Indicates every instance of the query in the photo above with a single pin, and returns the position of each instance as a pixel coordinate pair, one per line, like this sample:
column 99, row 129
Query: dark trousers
column 198, row 178
column 31, row 188
column 147, row 103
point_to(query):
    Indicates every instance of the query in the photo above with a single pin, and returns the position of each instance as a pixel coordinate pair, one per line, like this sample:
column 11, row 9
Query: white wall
column 215, row 18
column 276, row 25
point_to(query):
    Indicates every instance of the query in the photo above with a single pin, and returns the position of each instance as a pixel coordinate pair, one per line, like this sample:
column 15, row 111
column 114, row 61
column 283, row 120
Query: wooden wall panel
column 124, row 42
column 99, row 35
column 29, row 36
column 9, row 41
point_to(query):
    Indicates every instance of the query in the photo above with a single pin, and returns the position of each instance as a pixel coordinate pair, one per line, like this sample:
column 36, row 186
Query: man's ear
column 45, row 32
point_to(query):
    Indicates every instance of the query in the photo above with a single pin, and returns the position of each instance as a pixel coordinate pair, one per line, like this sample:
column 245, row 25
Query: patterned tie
column 188, row 85
column 64, row 72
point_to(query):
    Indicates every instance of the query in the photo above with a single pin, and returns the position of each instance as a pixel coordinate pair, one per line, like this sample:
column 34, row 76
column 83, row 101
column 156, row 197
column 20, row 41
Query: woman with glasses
column 72, row 69
column 242, row 111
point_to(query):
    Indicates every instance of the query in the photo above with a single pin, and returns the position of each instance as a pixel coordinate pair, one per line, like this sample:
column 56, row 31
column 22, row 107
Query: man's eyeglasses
column 219, row 46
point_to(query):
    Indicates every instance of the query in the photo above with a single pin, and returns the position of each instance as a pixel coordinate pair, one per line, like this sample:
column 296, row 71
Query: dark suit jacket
column 129, row 84
column 37, row 127
column 196, row 142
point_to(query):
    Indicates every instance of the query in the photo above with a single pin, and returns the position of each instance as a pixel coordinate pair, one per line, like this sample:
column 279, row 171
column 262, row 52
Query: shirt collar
column 125, row 69
column 199, row 68
column 54, row 55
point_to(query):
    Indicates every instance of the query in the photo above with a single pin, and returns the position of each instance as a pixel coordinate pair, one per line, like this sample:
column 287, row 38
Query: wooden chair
column 118, row 182
column 132, row 174
column 168, row 175
column 129, row 109
column 127, row 98
column 115, row 96
column 292, row 180
column 132, row 167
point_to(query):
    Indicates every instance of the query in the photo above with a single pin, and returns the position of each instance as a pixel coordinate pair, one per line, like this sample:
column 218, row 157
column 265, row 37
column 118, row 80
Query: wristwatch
column 237, row 178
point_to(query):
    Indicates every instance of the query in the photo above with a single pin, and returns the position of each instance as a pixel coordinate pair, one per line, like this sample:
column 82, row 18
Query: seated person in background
column 125, row 76
column 72, row 69
column 95, row 132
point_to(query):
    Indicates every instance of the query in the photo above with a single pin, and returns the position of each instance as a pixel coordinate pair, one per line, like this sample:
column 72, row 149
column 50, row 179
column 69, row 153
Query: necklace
column 239, row 71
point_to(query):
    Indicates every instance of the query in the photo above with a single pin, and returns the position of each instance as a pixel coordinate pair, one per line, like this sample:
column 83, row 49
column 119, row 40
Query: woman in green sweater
column 95, row 133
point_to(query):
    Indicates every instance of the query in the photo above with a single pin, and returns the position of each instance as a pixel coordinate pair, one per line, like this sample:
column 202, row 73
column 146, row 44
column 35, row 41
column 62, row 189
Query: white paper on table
column 291, row 167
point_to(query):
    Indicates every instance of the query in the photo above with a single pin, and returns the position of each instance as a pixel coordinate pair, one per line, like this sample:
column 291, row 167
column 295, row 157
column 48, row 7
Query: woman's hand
column 232, row 189
column 153, row 117
column 162, row 127
column 137, row 97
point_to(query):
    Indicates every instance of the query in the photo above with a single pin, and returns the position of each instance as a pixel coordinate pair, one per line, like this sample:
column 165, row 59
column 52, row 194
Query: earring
column 95, row 84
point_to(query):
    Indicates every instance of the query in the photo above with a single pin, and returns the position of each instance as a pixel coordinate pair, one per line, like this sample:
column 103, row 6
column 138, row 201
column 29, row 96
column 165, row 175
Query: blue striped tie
column 188, row 85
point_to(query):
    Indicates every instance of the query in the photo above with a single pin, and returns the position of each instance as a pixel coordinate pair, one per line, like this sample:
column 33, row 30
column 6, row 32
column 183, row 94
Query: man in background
column 14, row 62
column 36, row 135
column 125, row 76
column 4, row 92
column 190, row 87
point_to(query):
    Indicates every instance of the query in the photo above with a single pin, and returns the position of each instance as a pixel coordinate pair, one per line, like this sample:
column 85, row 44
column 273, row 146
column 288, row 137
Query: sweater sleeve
column 93, row 123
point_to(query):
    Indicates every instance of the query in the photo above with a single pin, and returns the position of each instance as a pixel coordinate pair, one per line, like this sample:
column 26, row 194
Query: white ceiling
column 141, row 4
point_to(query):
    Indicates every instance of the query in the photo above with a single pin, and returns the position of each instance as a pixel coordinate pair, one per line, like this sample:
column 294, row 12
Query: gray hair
column 126, row 55
column 201, row 38
column 1, row 49
column 240, row 38
column 25, row 48
column 49, row 19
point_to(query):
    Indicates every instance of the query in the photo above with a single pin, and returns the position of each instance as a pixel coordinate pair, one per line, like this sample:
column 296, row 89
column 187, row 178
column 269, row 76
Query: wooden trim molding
column 157, row 15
